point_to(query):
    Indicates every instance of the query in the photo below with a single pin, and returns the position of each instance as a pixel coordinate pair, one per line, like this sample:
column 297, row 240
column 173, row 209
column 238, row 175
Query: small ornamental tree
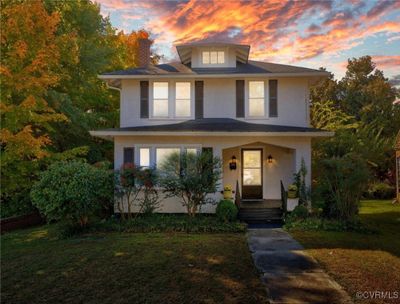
column 341, row 185
column 72, row 191
column 150, row 200
column 190, row 177
column 127, row 188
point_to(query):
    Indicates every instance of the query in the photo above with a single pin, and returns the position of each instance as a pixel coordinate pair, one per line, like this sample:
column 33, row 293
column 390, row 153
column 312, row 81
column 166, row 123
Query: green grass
column 128, row 268
column 361, row 262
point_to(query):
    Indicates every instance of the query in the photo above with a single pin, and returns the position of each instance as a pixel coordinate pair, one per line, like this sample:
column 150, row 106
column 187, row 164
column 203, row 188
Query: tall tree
column 29, row 67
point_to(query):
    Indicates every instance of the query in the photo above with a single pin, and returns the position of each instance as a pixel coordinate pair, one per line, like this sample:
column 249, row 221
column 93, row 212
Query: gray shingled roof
column 215, row 125
column 177, row 68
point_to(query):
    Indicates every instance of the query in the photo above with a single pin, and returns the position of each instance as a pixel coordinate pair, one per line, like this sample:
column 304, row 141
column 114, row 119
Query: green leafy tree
column 190, row 177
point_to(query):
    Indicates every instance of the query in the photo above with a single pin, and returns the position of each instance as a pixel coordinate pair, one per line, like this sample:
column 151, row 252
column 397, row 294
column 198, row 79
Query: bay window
column 163, row 153
column 144, row 157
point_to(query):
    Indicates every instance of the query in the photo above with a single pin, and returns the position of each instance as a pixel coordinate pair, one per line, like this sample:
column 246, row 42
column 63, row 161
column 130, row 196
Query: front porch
column 255, row 172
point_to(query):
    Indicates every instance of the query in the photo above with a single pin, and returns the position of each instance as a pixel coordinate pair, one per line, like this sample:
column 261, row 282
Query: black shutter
column 239, row 98
column 198, row 99
column 144, row 99
column 129, row 155
column 273, row 98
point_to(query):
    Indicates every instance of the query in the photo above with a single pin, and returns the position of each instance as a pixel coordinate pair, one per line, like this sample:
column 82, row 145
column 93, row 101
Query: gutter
column 202, row 76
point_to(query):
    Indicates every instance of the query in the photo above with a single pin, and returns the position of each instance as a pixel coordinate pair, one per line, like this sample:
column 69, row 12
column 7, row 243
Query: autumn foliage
column 50, row 93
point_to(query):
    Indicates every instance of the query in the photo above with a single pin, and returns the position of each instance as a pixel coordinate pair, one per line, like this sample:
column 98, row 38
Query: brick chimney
column 144, row 52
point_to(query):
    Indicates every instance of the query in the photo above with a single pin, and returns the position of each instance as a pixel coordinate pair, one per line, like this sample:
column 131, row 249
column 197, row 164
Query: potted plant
column 292, row 191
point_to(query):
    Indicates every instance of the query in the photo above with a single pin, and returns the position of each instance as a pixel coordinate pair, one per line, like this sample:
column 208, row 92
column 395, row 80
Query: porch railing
column 284, row 199
column 237, row 195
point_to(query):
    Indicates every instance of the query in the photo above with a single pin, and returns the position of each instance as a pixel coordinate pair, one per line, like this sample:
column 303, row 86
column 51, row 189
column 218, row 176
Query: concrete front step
column 260, row 215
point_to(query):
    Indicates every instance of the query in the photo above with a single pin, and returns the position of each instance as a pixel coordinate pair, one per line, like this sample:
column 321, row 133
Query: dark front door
column 252, row 174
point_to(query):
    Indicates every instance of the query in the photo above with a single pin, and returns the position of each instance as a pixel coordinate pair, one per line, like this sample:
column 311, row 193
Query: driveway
column 289, row 273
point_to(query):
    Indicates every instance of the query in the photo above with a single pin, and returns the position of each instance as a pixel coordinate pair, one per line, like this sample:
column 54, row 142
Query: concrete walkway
column 290, row 274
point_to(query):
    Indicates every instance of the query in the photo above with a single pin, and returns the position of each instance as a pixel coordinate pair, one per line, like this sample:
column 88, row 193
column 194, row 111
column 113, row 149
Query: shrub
column 226, row 211
column 190, row 177
column 300, row 212
column 340, row 186
column 381, row 191
column 170, row 223
column 72, row 191
column 315, row 223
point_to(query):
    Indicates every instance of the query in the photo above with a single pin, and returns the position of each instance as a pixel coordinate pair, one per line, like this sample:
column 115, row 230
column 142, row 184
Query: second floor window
column 213, row 57
column 182, row 99
column 256, row 98
column 160, row 99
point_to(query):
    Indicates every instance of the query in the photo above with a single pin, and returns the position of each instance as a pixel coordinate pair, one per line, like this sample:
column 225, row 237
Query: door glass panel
column 251, row 177
column 252, row 159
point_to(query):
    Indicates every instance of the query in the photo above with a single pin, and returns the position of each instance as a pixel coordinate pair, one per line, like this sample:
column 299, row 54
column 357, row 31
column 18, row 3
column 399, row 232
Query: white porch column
column 217, row 152
column 304, row 152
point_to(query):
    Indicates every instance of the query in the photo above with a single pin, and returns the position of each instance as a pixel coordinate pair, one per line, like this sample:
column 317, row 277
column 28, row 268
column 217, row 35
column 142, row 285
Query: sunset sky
column 304, row 33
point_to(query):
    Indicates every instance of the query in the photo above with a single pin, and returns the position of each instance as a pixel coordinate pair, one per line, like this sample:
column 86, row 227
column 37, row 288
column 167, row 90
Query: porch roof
column 213, row 127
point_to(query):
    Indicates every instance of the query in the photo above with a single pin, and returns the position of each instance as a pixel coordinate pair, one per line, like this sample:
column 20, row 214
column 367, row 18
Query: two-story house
column 252, row 113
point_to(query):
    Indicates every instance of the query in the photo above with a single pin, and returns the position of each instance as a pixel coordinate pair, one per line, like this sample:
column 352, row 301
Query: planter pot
column 292, row 194
column 292, row 203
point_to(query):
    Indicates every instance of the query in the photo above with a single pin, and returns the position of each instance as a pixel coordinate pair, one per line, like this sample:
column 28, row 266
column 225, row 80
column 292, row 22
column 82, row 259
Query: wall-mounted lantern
column 232, row 163
column 270, row 159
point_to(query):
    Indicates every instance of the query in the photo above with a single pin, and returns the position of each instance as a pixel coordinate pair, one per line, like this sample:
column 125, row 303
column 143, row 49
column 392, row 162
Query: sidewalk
column 289, row 273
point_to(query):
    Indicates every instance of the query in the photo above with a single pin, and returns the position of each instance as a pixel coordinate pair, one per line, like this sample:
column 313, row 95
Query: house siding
column 220, row 102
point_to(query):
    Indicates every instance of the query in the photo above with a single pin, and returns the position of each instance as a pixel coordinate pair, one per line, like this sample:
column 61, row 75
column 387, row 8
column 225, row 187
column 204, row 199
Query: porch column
column 304, row 152
column 217, row 152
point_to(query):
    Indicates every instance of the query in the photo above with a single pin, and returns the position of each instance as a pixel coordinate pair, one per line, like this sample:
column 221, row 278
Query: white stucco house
column 215, row 98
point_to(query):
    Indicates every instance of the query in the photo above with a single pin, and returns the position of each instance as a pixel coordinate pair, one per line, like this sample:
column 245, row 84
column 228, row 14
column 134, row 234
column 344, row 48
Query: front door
column 252, row 174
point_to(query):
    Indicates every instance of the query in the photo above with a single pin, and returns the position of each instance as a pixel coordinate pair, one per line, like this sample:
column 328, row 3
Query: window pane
column 221, row 57
column 182, row 108
column 183, row 90
column 160, row 90
column 160, row 107
column 144, row 157
column 252, row 177
column 191, row 150
column 256, row 107
column 252, row 159
column 163, row 153
column 206, row 57
column 256, row 89
column 213, row 57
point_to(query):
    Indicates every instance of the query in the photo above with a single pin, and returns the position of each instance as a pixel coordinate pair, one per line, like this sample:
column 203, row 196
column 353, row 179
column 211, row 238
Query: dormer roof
column 185, row 50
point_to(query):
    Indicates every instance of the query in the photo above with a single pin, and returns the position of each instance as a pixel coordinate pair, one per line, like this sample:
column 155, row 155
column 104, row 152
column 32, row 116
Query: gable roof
column 213, row 126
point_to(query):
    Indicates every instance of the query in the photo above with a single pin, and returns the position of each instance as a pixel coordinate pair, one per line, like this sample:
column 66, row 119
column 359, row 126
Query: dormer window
column 213, row 57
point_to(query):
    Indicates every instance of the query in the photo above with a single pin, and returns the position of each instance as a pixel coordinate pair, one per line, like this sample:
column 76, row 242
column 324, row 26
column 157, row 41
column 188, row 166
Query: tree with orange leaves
column 29, row 66
column 130, row 46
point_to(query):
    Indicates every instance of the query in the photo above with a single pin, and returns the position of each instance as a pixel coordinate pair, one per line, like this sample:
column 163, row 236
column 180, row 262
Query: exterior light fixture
column 232, row 163
column 270, row 159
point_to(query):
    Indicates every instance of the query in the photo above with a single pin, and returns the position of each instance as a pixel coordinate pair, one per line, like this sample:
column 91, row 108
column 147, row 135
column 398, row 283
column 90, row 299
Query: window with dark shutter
column 144, row 99
column 273, row 98
column 129, row 155
column 198, row 99
column 239, row 98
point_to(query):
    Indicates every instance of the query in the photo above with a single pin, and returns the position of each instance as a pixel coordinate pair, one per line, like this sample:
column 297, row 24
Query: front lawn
column 128, row 268
column 361, row 262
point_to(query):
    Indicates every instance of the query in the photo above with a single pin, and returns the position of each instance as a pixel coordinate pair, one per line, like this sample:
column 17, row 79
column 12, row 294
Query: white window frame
column 190, row 99
column 247, row 100
column 139, row 158
column 171, row 100
column 209, row 51
column 153, row 99
column 154, row 147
